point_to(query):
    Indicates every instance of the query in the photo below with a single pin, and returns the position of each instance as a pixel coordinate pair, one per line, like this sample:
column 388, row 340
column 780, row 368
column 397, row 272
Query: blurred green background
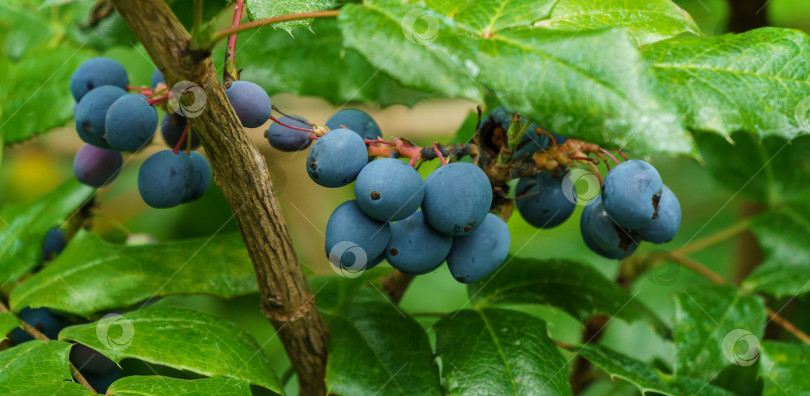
column 35, row 167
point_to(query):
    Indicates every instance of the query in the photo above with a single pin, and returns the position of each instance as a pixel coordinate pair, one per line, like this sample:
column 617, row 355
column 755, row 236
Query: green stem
column 715, row 238
column 198, row 17
column 269, row 21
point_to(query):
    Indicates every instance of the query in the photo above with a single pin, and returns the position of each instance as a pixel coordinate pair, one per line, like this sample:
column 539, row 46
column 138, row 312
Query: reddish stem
column 439, row 153
column 609, row 155
column 370, row 141
column 182, row 138
column 237, row 18
column 157, row 100
column 622, row 154
column 274, row 119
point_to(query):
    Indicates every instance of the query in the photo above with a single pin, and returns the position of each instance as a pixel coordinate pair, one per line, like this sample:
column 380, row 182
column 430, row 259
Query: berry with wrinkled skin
column 130, row 123
column 286, row 139
column 97, row 72
column 96, row 166
column 630, row 194
column 612, row 240
column 353, row 240
column 457, row 198
column 666, row 225
column 251, row 103
column 91, row 113
column 165, row 179
column 336, row 158
column 388, row 189
column 415, row 247
column 541, row 201
column 478, row 254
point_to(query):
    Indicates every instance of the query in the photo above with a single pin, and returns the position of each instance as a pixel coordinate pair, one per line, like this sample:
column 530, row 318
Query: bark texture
column 241, row 173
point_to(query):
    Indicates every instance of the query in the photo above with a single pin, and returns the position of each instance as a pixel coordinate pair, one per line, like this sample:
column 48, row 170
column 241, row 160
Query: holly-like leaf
column 218, row 266
column 261, row 9
column 488, row 17
column 315, row 63
column 646, row 21
column 8, row 322
column 591, row 84
column 785, row 368
column 153, row 385
column 782, row 235
column 709, row 322
column 645, row 377
column 179, row 338
column 29, row 364
column 499, row 352
column 374, row 348
column 21, row 240
column 60, row 388
column 575, row 288
column 757, row 81
column 333, row 292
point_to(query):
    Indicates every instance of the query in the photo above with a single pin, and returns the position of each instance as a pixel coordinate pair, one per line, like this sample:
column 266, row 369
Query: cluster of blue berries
column 384, row 221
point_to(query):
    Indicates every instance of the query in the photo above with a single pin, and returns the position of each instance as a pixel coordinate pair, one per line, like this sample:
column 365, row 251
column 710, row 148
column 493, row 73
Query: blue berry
column 53, row 244
column 353, row 240
column 286, row 139
column 165, row 179
column 457, row 198
column 355, row 120
column 130, row 123
column 157, row 78
column 666, row 224
column 476, row 255
column 612, row 240
column 95, row 73
column 41, row 319
column 91, row 113
column 542, row 202
column 336, row 158
column 388, row 189
column 172, row 126
column 200, row 176
column 630, row 194
column 96, row 166
column 251, row 103
column 415, row 247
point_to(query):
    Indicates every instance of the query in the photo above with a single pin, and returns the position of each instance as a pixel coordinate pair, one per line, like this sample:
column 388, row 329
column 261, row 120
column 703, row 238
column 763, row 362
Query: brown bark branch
column 241, row 173
column 396, row 284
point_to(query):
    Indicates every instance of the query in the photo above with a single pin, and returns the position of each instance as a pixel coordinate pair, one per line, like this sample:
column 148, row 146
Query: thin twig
column 715, row 238
column 269, row 21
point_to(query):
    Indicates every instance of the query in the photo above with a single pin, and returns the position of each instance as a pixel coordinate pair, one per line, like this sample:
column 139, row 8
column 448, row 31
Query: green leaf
column 21, row 240
column 374, row 348
column 8, row 322
column 785, row 368
column 592, row 85
column 27, row 365
column 179, row 338
column 261, row 9
column 217, row 265
column 645, row 377
column 499, row 352
column 755, row 81
column 333, row 292
column 489, row 16
column 58, row 388
column 575, row 288
column 782, row 235
column 646, row 21
column 709, row 321
column 316, row 64
column 154, row 385
column 36, row 97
